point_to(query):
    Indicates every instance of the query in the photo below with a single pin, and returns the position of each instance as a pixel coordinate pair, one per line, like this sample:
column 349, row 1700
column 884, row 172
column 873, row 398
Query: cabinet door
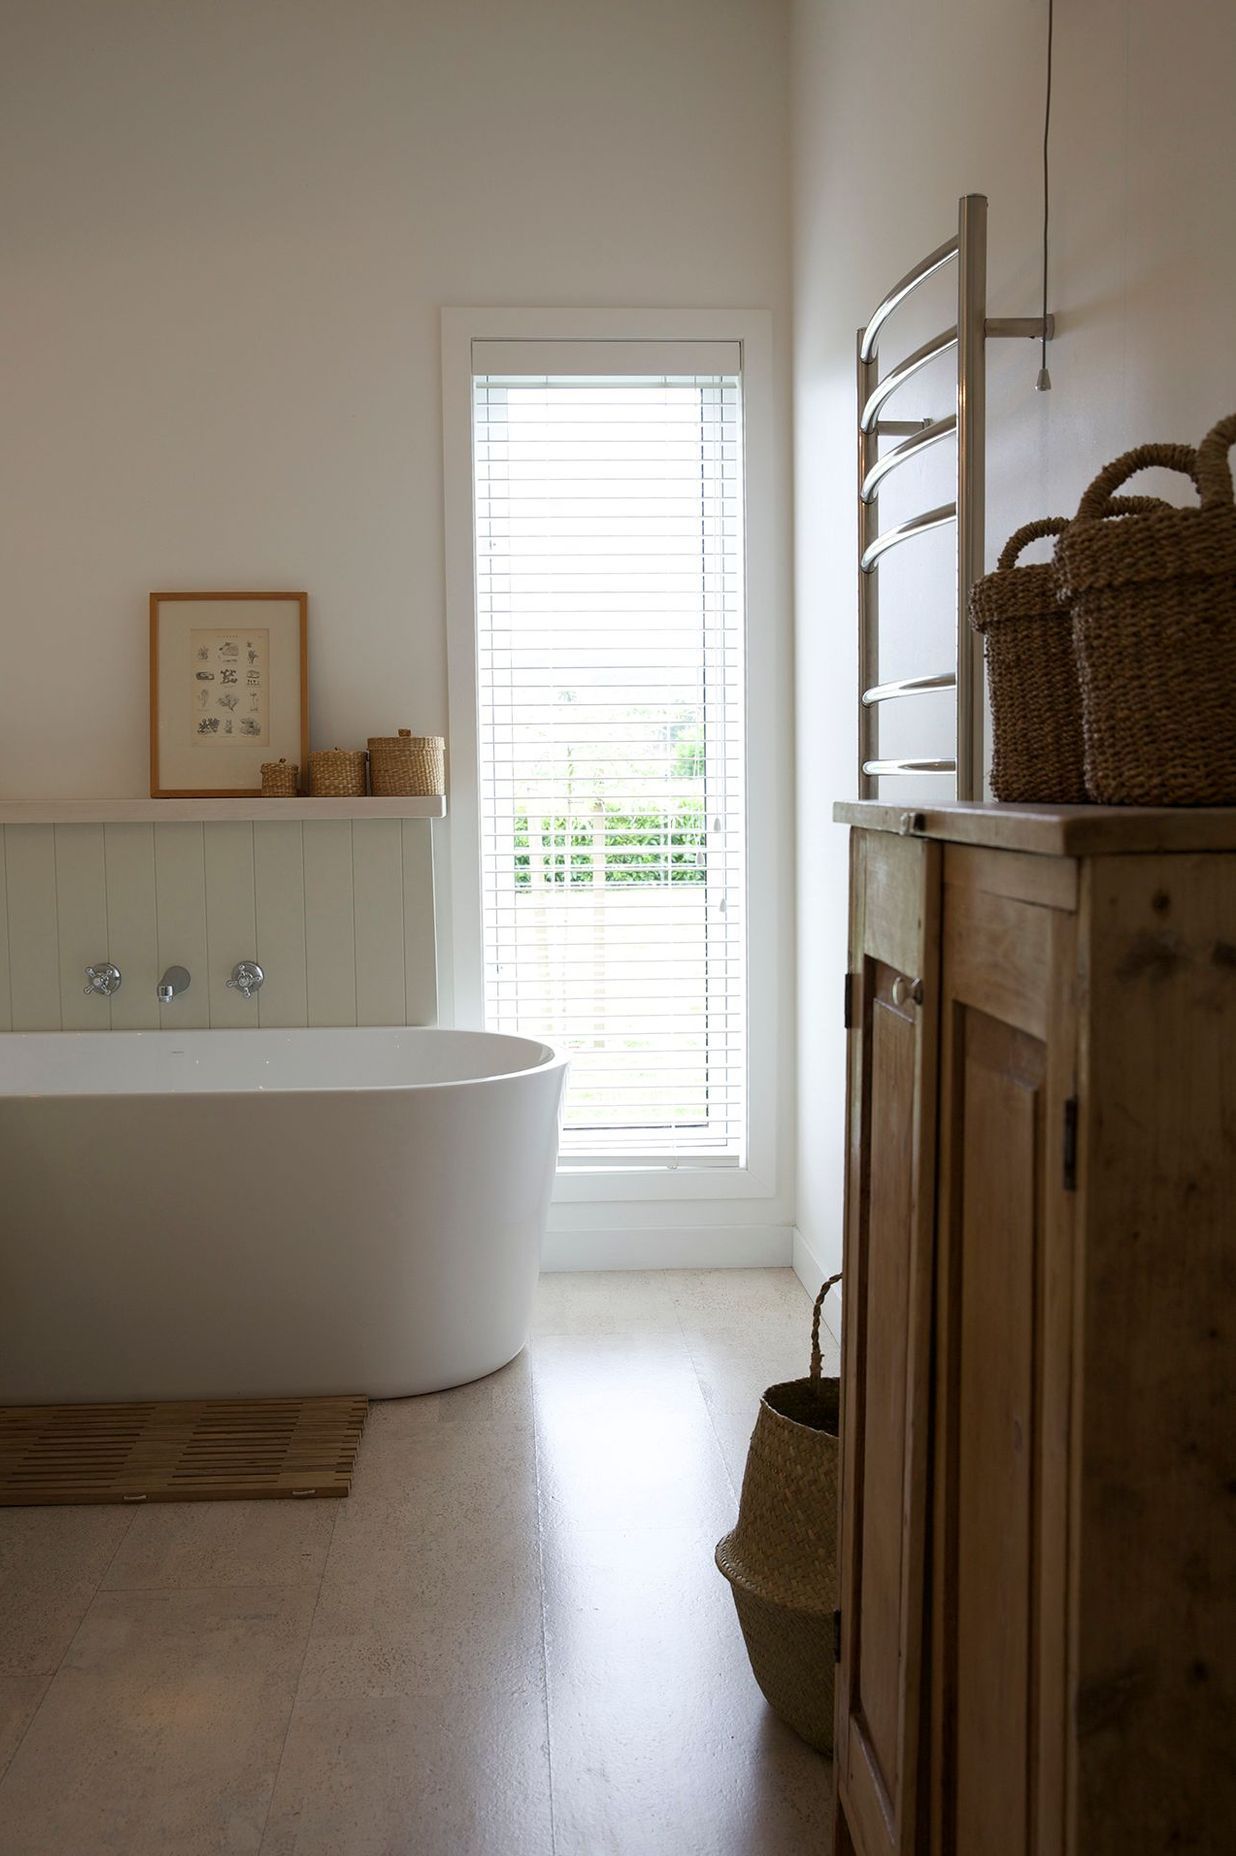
column 890, row 1189
column 1002, row 1354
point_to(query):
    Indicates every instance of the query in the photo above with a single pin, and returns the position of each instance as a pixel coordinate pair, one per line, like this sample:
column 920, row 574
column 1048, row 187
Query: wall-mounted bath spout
column 175, row 980
column 246, row 978
column 103, row 979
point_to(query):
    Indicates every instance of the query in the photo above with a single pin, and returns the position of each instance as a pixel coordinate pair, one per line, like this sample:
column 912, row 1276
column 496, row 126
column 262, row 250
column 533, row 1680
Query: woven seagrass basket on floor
column 1037, row 754
column 407, row 764
column 781, row 1558
column 337, row 773
column 1153, row 600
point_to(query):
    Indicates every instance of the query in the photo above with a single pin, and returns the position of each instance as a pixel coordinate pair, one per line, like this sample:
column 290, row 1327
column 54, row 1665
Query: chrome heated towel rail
column 968, row 337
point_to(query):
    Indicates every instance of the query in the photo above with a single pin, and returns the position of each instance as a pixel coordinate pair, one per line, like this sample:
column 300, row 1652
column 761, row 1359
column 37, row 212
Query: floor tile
column 414, row 1777
column 185, row 1544
column 412, row 1606
column 661, row 1744
column 19, row 1702
column 605, row 1302
column 448, row 1471
column 51, row 1563
column 730, row 1298
column 163, row 1729
column 623, row 1434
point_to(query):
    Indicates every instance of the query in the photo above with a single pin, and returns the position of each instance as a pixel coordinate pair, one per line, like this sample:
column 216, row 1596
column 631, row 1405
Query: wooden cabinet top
column 1052, row 831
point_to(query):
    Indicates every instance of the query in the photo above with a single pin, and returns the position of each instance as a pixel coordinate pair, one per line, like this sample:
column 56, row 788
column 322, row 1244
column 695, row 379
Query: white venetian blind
column 610, row 615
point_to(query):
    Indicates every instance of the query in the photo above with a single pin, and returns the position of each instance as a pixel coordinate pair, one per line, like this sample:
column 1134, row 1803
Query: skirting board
column 702, row 1247
column 812, row 1274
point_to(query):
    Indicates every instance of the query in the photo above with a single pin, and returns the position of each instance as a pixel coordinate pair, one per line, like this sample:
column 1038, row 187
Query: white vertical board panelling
column 330, row 933
column 340, row 914
column 133, row 924
column 85, row 940
column 231, row 928
column 6, row 1010
column 377, row 912
column 34, row 939
column 279, row 872
column 420, row 944
column 180, row 893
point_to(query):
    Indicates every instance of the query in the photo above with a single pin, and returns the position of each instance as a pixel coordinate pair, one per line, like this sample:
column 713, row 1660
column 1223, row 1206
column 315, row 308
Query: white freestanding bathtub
column 225, row 1214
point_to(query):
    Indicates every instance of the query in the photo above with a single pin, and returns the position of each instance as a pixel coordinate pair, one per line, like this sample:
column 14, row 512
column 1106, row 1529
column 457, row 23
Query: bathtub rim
column 552, row 1059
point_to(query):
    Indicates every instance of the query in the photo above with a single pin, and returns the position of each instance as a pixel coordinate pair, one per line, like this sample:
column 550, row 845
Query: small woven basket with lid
column 407, row 765
column 1037, row 745
column 781, row 1558
column 337, row 773
column 1154, row 627
column 280, row 779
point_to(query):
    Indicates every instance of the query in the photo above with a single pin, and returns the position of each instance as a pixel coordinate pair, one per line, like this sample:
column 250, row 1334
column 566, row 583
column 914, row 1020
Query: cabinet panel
column 1002, row 1372
column 885, row 1415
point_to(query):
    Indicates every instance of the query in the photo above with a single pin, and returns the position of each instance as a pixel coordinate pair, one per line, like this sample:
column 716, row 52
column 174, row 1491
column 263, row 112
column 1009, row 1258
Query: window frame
column 461, row 971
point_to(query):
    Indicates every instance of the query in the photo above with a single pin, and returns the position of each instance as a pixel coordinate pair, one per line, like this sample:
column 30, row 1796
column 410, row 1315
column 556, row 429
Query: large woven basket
column 337, row 773
column 781, row 1558
column 1154, row 626
column 1037, row 744
column 406, row 764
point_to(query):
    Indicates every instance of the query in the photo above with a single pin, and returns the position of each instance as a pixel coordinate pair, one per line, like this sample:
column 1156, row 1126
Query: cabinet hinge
column 1070, row 1145
column 836, row 1636
column 849, row 1002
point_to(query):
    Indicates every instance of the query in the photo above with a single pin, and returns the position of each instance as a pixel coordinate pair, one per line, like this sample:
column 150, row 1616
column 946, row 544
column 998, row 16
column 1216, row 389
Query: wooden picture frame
column 229, row 689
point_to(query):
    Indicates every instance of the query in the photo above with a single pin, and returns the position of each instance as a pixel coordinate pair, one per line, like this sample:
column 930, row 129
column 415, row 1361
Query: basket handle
column 1095, row 502
column 1028, row 532
column 1056, row 525
column 817, row 1358
column 1214, row 473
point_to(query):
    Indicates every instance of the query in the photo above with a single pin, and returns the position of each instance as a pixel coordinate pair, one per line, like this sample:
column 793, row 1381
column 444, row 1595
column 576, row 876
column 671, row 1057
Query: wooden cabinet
column 1038, row 1540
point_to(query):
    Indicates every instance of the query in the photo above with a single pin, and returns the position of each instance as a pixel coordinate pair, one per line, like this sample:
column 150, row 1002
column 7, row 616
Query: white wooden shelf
column 181, row 811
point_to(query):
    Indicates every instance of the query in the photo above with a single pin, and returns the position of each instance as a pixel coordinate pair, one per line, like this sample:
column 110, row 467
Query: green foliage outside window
column 611, row 846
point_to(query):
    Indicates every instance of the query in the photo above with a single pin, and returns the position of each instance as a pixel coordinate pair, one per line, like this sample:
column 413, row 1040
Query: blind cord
column 1043, row 383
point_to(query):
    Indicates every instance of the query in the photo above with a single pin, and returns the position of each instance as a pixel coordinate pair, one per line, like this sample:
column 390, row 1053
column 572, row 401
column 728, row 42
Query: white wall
column 897, row 110
column 228, row 229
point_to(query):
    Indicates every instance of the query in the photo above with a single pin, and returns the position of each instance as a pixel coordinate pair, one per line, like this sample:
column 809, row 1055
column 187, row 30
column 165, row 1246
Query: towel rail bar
column 927, row 267
column 969, row 337
column 909, row 686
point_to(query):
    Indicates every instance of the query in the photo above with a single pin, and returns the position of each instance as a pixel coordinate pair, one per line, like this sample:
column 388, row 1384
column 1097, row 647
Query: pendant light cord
column 1044, row 380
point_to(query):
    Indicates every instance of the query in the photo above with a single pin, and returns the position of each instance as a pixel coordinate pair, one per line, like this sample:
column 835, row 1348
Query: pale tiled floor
column 509, row 1641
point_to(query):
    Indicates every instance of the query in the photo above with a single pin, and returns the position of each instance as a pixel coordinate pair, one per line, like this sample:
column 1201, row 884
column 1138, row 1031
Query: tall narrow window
column 610, row 653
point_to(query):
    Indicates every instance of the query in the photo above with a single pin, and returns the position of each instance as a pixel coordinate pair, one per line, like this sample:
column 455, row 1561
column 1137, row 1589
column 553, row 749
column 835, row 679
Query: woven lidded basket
column 1037, row 745
column 781, row 1558
column 1154, row 629
column 337, row 773
column 405, row 764
column 280, row 779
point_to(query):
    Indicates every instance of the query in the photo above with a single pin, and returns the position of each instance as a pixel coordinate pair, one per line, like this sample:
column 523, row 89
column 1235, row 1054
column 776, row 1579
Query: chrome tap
column 103, row 979
column 175, row 980
column 246, row 978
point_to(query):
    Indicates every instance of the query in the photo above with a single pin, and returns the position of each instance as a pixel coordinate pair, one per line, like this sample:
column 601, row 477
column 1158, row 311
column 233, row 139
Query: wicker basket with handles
column 337, row 773
column 1037, row 744
column 1154, row 627
column 781, row 1558
column 280, row 779
column 407, row 764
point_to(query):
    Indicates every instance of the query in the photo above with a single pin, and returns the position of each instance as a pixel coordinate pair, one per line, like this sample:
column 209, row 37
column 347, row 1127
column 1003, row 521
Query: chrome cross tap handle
column 246, row 978
column 103, row 979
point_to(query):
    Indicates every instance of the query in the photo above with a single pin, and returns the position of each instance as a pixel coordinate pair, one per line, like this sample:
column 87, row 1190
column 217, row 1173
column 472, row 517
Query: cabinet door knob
column 907, row 992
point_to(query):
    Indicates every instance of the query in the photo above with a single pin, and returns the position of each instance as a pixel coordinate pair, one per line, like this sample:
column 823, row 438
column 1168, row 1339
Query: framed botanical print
column 229, row 688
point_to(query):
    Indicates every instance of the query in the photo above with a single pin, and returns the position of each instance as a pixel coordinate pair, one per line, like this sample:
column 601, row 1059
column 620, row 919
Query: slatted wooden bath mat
column 193, row 1451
